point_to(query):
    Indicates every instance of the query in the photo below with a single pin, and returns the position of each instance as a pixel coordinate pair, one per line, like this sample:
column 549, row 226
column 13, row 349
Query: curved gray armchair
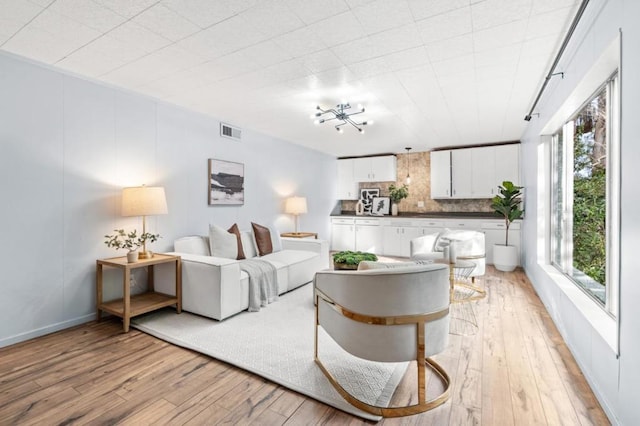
column 387, row 315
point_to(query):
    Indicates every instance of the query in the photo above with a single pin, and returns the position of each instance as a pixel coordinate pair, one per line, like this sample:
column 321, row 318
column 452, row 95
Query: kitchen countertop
column 427, row 215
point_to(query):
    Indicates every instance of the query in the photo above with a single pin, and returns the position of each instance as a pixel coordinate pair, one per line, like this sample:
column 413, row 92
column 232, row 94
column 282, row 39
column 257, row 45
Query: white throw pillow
column 222, row 243
column 441, row 241
column 248, row 244
column 276, row 241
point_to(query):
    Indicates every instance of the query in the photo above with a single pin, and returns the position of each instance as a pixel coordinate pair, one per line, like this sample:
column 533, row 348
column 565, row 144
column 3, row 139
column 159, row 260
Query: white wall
column 614, row 380
column 68, row 146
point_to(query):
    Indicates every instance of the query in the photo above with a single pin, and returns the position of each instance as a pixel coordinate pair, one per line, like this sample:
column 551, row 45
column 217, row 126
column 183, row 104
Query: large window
column 582, row 205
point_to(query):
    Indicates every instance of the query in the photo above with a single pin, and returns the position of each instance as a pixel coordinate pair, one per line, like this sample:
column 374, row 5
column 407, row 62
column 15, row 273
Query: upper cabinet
column 475, row 172
column 461, row 173
column 347, row 185
column 507, row 166
column 375, row 169
column 440, row 174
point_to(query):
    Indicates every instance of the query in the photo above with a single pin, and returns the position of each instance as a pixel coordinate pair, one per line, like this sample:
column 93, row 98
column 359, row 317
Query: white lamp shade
column 143, row 201
column 296, row 205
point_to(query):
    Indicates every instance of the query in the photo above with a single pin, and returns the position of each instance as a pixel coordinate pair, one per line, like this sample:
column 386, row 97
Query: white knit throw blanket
column 263, row 282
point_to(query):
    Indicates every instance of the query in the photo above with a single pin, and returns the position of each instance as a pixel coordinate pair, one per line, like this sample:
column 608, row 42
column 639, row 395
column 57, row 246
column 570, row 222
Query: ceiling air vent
column 230, row 132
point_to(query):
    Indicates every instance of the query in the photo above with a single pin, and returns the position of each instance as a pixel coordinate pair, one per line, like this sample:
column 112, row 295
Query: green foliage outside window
column 589, row 191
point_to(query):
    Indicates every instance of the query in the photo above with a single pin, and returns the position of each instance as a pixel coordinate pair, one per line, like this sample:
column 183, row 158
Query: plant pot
column 132, row 257
column 394, row 209
column 345, row 267
column 505, row 258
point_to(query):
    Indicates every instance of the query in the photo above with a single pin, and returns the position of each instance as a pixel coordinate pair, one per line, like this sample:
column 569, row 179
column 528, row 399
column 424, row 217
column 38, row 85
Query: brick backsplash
column 420, row 189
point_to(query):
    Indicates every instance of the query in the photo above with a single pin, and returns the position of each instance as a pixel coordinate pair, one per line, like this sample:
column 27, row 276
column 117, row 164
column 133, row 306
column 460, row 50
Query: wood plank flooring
column 513, row 369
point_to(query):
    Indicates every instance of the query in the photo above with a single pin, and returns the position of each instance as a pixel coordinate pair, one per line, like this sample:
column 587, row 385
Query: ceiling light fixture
column 339, row 113
column 408, row 180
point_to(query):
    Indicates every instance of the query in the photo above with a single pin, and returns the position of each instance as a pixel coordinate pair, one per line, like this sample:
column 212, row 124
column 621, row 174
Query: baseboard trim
column 46, row 330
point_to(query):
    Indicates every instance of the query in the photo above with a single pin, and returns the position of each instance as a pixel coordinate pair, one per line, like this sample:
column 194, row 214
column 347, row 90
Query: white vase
column 394, row 209
column 505, row 258
column 132, row 256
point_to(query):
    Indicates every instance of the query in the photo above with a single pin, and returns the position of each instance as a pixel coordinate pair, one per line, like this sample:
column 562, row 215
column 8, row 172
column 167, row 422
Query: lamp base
column 145, row 255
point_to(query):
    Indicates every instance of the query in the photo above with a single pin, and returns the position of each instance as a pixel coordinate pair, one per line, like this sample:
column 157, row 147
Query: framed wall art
column 380, row 206
column 366, row 196
column 226, row 183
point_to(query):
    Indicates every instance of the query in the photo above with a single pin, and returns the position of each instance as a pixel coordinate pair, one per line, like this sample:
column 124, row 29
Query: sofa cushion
column 192, row 245
column 262, row 234
column 290, row 257
column 222, row 243
column 236, row 231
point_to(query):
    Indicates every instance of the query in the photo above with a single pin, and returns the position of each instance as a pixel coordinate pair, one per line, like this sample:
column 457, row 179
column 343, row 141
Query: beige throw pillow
column 222, row 243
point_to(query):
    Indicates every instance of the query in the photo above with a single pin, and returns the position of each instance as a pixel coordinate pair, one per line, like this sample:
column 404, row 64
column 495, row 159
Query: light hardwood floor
column 513, row 370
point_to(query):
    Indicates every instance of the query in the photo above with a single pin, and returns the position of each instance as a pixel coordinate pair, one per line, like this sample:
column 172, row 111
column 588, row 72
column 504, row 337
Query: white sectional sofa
column 215, row 287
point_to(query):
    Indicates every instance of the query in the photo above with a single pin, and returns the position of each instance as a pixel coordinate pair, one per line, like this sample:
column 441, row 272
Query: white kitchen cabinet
column 473, row 172
column 375, row 169
column 397, row 239
column 507, row 165
column 494, row 233
column 483, row 180
column 431, row 227
column 343, row 234
column 368, row 235
column 491, row 166
column 347, row 185
column 440, row 174
column 461, row 164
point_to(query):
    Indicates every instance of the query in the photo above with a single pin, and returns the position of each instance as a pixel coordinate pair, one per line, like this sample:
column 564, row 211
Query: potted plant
column 130, row 241
column 351, row 259
column 397, row 193
column 507, row 205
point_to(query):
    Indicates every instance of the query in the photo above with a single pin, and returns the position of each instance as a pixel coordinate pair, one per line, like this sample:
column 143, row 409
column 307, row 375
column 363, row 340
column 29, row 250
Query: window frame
column 565, row 135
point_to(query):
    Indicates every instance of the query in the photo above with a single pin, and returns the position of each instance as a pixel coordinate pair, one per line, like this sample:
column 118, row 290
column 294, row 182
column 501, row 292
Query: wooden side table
column 130, row 306
column 300, row 235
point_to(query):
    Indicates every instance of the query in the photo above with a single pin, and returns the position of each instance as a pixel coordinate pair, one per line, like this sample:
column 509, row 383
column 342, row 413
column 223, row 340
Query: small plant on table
column 351, row 259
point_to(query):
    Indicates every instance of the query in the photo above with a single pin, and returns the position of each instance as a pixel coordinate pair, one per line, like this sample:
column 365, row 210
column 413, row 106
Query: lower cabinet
column 342, row 236
column 358, row 234
column 397, row 239
column 368, row 235
column 392, row 237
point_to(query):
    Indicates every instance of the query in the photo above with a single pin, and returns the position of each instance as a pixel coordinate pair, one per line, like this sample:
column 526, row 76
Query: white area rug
column 277, row 344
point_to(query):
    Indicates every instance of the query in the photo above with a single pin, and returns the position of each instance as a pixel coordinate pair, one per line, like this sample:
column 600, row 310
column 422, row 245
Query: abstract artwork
column 380, row 206
column 226, row 183
column 366, row 196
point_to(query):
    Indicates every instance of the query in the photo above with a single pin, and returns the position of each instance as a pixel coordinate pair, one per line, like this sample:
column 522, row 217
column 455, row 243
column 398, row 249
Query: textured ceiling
column 430, row 73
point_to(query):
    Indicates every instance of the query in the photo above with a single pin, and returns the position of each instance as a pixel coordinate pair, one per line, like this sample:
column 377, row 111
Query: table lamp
column 144, row 201
column 296, row 206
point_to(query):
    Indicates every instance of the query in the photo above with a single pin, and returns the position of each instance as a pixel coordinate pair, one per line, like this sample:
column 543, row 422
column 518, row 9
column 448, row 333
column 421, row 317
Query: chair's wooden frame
column 421, row 361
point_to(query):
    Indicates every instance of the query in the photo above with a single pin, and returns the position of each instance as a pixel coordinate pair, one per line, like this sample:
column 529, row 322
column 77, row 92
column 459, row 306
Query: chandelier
column 340, row 113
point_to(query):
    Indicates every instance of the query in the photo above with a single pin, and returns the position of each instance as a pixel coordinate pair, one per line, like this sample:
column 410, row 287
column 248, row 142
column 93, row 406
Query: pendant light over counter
column 408, row 179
